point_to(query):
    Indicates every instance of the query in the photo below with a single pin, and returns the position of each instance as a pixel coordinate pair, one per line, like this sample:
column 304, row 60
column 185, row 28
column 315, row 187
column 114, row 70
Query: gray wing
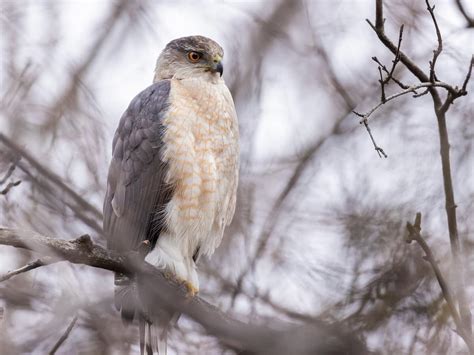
column 136, row 190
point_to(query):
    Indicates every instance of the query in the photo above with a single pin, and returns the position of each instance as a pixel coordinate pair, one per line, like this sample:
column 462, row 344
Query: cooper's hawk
column 174, row 172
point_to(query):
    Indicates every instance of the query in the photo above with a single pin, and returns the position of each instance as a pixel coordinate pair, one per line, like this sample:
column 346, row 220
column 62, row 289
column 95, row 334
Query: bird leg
column 190, row 289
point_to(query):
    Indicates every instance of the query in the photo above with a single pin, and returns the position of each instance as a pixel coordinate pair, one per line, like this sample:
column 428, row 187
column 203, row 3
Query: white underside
column 168, row 255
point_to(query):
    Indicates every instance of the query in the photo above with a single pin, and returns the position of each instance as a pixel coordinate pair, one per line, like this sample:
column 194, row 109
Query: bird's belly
column 202, row 161
column 195, row 209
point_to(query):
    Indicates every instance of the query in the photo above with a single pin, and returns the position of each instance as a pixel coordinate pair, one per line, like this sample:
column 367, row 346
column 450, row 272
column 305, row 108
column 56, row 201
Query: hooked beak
column 217, row 67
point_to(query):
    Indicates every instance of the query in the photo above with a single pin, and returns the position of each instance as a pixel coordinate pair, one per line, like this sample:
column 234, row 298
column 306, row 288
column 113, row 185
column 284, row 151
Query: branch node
column 85, row 241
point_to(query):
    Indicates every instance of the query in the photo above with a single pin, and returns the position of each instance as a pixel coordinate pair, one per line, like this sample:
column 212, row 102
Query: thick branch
column 282, row 338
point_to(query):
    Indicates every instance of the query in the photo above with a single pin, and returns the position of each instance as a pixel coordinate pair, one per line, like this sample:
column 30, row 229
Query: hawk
column 173, row 177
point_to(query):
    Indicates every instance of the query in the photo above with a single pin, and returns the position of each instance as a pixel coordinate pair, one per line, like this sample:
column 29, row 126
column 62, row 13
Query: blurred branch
column 50, row 176
column 282, row 338
column 63, row 337
column 303, row 162
column 70, row 92
column 30, row 266
column 332, row 74
column 8, row 173
column 469, row 19
column 9, row 186
column 414, row 233
column 440, row 109
column 81, row 207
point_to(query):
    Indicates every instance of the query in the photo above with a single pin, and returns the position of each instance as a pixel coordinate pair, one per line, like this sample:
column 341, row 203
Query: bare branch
column 384, row 68
column 8, row 174
column 469, row 19
column 408, row 90
column 440, row 111
column 414, row 233
column 468, row 76
column 438, row 50
column 50, row 176
column 63, row 337
column 282, row 338
column 379, row 150
column 9, row 187
column 30, row 266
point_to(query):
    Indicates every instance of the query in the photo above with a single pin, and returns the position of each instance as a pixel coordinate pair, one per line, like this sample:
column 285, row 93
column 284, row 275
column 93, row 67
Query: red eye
column 194, row 57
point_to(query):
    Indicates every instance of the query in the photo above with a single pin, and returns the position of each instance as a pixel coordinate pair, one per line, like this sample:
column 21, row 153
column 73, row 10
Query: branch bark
column 282, row 338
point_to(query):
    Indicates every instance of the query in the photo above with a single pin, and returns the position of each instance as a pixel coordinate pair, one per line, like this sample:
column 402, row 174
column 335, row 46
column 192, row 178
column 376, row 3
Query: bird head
column 188, row 57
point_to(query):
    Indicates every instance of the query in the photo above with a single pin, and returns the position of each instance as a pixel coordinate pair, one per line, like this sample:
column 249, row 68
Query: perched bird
column 173, row 176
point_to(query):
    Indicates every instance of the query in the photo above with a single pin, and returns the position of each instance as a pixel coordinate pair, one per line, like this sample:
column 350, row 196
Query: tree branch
column 438, row 50
column 414, row 233
column 408, row 90
column 30, row 266
column 440, row 109
column 63, row 337
column 469, row 19
column 282, row 338
column 9, row 186
column 50, row 176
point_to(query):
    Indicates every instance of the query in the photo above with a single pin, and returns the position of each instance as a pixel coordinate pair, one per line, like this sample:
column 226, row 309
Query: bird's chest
column 201, row 145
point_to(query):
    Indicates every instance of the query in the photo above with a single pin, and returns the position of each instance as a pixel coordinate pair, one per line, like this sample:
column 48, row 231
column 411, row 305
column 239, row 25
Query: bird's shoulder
column 139, row 135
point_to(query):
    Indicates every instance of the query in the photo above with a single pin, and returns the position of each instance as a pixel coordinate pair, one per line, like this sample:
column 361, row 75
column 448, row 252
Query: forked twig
column 414, row 234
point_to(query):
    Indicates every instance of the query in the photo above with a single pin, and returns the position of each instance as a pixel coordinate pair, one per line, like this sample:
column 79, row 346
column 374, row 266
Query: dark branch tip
column 85, row 240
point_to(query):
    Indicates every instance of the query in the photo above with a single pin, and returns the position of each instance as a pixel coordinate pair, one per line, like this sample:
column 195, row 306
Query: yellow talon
column 191, row 290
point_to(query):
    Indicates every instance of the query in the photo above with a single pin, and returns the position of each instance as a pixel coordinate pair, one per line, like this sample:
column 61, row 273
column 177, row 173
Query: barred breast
column 201, row 140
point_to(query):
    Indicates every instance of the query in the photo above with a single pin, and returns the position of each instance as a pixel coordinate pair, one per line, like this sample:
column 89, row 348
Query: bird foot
column 191, row 290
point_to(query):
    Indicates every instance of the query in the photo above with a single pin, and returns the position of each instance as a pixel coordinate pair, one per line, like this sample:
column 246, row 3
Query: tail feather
column 153, row 338
column 163, row 342
column 141, row 330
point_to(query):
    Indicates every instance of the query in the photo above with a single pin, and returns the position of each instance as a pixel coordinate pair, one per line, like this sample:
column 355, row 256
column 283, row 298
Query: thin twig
column 8, row 173
column 468, row 76
column 384, row 68
column 379, row 150
column 30, row 266
column 414, row 233
column 63, row 337
column 438, row 50
column 384, row 81
column 397, row 54
column 409, row 89
column 9, row 187
column 44, row 171
column 469, row 19
column 382, row 86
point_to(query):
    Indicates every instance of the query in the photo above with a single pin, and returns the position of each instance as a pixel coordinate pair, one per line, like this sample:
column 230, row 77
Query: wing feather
column 136, row 189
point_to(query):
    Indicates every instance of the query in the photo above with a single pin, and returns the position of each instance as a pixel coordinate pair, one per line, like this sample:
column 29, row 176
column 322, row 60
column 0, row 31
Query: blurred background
column 319, row 231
